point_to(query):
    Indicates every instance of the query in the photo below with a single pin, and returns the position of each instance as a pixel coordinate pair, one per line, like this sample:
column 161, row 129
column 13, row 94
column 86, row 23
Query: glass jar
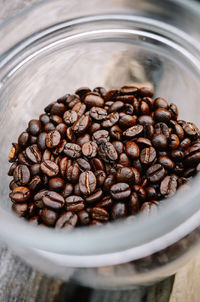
column 58, row 46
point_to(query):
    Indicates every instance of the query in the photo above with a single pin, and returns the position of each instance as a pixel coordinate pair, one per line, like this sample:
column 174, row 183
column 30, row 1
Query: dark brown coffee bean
column 12, row 168
column 162, row 128
column 160, row 103
column 147, row 155
column 41, row 141
column 124, row 160
column 70, row 117
column 179, row 131
column 94, row 127
column 159, row 141
column 143, row 142
column 97, row 164
column 168, row 186
column 145, row 120
column 155, row 173
column 98, row 113
column 53, row 139
column 82, row 91
column 174, row 141
column 116, row 106
column 192, row 156
column 116, row 132
column 118, row 211
column 100, row 90
column 23, row 139
column 151, row 193
column 109, row 181
column 20, row 194
column 185, row 143
column 148, row 208
column 74, row 203
column 99, row 214
column 148, row 131
column 166, row 162
column 92, row 99
column 49, row 168
column 72, row 99
column 64, row 164
column 49, row 127
column 53, row 200
column 32, row 139
column 47, row 155
column 34, row 127
column 72, row 173
column 21, row 175
column 190, row 129
column 44, row 118
column 49, row 217
column 72, row 150
column 133, row 204
column 127, row 121
column 58, row 109
column 162, row 115
column 83, row 217
column 56, row 119
column 95, row 197
column 101, row 136
column 81, row 124
column 67, row 220
column 129, row 90
column 13, row 152
column 35, row 183
column 132, row 149
column 89, row 149
column 125, row 174
column 59, row 149
column 173, row 110
column 77, row 190
column 33, row 154
column 20, row 209
column 119, row 147
column 12, row 185
column 177, row 155
column 106, row 202
column 87, row 182
column 110, row 120
column 141, row 193
column 107, row 152
column 79, row 108
column 61, row 128
column 146, row 92
column 120, row 191
column 111, row 95
column 68, row 189
column 83, row 164
column 133, row 131
column 56, row 183
column 100, row 177
column 189, row 172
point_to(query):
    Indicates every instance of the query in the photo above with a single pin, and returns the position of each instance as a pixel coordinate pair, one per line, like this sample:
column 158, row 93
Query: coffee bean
column 111, row 95
column 89, row 149
column 94, row 127
column 133, row 131
column 116, row 132
column 127, row 121
column 77, row 190
column 100, row 177
column 98, row 113
column 177, row 155
column 107, row 152
column 173, row 110
column 70, row 117
column 100, row 90
column 92, row 99
column 85, row 138
column 118, row 211
column 133, row 204
column 44, row 118
column 13, row 152
column 12, row 168
column 87, row 182
column 23, row 139
column 49, row 127
column 145, row 120
column 56, row 183
column 106, row 202
column 143, row 142
column 53, row 200
column 58, row 109
column 101, row 136
column 56, row 119
column 155, row 173
column 185, row 143
column 79, row 108
column 35, row 183
column 83, row 217
column 12, row 185
column 168, row 185
column 166, row 162
column 72, row 173
column 160, row 103
column 148, row 131
column 125, row 174
column 116, row 106
column 49, row 168
column 32, row 139
column 147, row 155
column 67, row 220
column 132, row 149
column 120, row 191
column 97, row 164
column 124, row 160
column 82, row 91
column 20, row 209
column 179, row 131
column 41, row 141
column 151, row 193
column 20, row 194
column 68, row 189
column 174, row 141
column 33, row 154
column 49, row 217
column 192, row 156
column 110, row 120
column 34, row 127
column 72, row 150
column 159, row 141
column 83, row 164
column 81, row 124
column 162, row 128
column 99, row 214
column 148, row 208
column 109, row 181
column 21, row 175
column 162, row 115
column 190, row 129
column 53, row 139
column 128, row 109
column 141, row 193
column 119, row 147
column 95, row 197
column 74, row 203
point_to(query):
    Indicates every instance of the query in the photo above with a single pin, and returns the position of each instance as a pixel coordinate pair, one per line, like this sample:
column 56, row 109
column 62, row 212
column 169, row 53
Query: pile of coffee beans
column 97, row 156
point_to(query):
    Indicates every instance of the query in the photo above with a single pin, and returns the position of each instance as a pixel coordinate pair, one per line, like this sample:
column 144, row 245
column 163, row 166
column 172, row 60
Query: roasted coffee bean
column 89, row 149
column 72, row 173
column 34, row 127
column 74, row 203
column 12, row 185
column 33, row 154
column 70, row 117
column 190, row 129
column 67, row 220
column 126, row 90
column 162, row 128
column 92, row 99
column 134, row 131
column 85, row 138
column 166, row 162
column 61, row 128
column 98, row 113
column 83, row 217
column 124, row 160
column 32, row 139
column 120, row 191
column 95, row 197
column 151, row 193
column 177, row 155
column 110, row 120
column 179, row 131
column 192, row 156
column 173, row 110
column 116, row 132
column 101, row 136
column 20, row 194
column 116, row 106
column 146, row 92
column 127, row 121
column 128, row 109
column 143, row 142
column 107, row 152
column 148, row 131
column 82, row 91
column 49, row 127
column 100, row 177
column 56, row 183
column 189, row 172
column 147, row 155
column 23, row 159
column 53, row 200
column 109, row 181
column 71, row 100
column 133, row 204
column 53, row 139
column 68, row 189
column 49, row 168
column 111, row 95
column 77, row 190
column 56, row 119
column 12, row 168
column 141, row 193
column 174, row 141
column 160, row 103
column 23, row 139
column 100, row 90
column 87, row 182
column 125, row 174
column 185, row 143
column 132, row 149
column 47, row 155
column 148, row 208
column 21, row 175
column 97, row 164
column 83, row 164
column 94, row 127
column 48, row 217
column 145, row 120
column 168, row 185
column 155, row 173
column 119, row 210
column 41, row 141
column 20, row 209
column 119, row 147
column 72, row 150
column 159, row 142
column 81, row 124
column 58, row 109
column 44, row 118
column 35, row 183
column 99, row 214
column 106, row 202
column 70, row 135
column 79, row 108
column 162, row 115
column 13, row 152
